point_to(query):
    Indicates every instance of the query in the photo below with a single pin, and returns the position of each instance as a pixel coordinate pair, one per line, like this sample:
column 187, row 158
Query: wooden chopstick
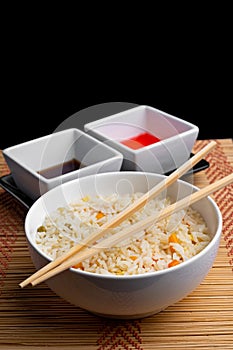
column 141, row 225
column 125, row 213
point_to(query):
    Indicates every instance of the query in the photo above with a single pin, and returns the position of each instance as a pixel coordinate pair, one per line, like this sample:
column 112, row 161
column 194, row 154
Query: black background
column 50, row 71
column 37, row 102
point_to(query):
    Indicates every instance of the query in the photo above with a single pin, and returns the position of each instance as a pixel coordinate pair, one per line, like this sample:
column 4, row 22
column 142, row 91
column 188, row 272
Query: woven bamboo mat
column 37, row 318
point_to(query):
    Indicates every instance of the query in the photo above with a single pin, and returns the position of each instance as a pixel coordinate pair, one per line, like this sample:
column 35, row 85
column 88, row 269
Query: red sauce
column 140, row 141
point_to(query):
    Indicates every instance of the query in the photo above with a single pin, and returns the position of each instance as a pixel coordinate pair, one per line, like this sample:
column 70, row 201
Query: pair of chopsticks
column 86, row 250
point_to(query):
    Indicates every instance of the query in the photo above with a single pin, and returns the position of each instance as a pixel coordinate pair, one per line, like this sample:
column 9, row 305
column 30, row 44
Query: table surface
column 37, row 318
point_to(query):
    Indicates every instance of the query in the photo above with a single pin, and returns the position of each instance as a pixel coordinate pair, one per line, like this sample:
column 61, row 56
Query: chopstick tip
column 24, row 283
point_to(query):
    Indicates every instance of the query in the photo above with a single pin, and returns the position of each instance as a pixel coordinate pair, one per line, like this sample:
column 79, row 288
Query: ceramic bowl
column 40, row 164
column 124, row 297
column 149, row 139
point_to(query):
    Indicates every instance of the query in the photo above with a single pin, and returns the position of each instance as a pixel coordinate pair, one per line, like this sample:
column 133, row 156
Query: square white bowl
column 176, row 138
column 25, row 160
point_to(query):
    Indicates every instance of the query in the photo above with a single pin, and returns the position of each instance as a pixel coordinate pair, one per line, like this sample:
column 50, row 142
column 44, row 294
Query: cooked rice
column 167, row 243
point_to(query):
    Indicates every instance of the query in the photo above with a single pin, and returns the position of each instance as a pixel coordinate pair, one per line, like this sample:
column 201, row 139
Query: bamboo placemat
column 37, row 318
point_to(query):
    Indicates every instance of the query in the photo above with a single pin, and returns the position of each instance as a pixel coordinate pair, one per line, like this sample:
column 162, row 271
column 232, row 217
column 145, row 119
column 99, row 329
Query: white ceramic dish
column 176, row 136
column 26, row 159
column 126, row 297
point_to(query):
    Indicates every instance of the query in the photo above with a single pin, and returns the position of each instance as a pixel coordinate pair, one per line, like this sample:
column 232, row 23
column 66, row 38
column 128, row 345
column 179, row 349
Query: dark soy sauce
column 61, row 169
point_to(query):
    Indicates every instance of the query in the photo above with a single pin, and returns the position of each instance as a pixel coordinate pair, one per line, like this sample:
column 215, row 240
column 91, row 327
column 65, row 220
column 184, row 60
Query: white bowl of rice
column 142, row 275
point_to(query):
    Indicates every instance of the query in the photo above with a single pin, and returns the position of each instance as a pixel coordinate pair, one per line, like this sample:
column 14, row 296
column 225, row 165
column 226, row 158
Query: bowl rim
column 210, row 245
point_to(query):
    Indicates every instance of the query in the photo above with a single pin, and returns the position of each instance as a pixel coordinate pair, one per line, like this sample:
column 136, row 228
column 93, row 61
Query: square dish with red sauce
column 149, row 139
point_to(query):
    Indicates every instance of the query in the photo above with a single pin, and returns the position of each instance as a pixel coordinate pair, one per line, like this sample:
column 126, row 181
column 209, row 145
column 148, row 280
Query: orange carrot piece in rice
column 78, row 266
column 173, row 263
column 99, row 215
column 173, row 238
